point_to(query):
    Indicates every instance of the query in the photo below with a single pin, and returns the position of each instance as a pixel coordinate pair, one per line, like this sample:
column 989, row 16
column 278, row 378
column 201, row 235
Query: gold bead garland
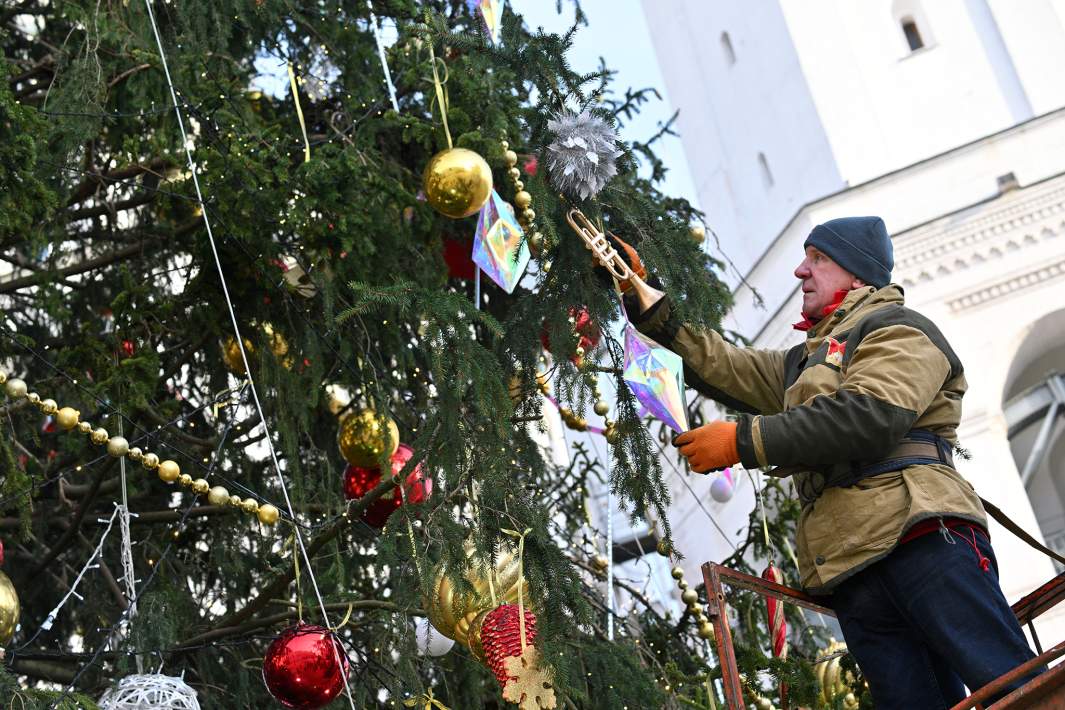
column 524, row 212
column 691, row 599
column 68, row 419
column 578, row 423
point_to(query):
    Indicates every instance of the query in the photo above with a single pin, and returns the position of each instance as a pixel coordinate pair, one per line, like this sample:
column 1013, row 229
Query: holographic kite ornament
column 656, row 377
column 492, row 13
column 499, row 246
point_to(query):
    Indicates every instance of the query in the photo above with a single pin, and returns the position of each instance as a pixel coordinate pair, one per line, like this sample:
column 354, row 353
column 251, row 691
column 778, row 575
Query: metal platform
column 1045, row 692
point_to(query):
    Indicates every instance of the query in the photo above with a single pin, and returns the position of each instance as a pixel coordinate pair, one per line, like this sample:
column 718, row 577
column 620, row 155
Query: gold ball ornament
column 117, row 446
column 3, row 377
column 99, row 436
column 601, row 408
column 763, row 703
column 268, row 514
column 16, row 388
column 9, row 609
column 85, row 427
column 67, row 418
column 689, row 596
column 514, row 173
column 457, row 182
column 184, row 480
column 218, row 495
column 365, row 437
column 677, row 572
column 48, row 406
column 200, row 486
column 698, row 233
column 33, row 398
column 234, row 500
column 168, row 471
column 458, row 612
column 511, row 158
column 696, row 608
column 601, row 563
column 235, row 363
column 528, row 214
column 249, row 505
column 522, row 200
column 135, row 453
column 706, row 631
column 150, row 461
column 536, row 243
column 664, row 548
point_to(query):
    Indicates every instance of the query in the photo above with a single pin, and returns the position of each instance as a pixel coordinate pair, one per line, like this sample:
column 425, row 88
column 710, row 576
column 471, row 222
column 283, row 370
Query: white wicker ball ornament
column 151, row 690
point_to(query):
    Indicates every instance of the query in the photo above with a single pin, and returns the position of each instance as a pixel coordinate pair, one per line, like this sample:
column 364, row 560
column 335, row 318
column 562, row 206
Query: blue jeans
column 927, row 619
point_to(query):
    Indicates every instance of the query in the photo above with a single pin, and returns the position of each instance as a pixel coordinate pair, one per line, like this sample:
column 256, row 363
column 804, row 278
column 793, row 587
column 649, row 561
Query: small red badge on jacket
column 835, row 352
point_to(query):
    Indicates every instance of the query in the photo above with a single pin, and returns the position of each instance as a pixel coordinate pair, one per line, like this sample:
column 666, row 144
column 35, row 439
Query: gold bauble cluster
column 278, row 346
column 525, row 214
column 691, row 599
column 457, row 182
column 9, row 609
column 833, row 680
column 366, row 437
column 69, row 419
column 459, row 612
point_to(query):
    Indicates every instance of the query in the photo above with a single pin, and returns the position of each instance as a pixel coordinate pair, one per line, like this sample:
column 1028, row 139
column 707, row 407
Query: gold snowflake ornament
column 529, row 686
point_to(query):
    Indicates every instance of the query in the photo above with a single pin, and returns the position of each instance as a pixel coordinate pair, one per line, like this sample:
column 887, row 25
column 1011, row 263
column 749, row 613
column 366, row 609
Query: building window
column 913, row 35
column 726, row 47
column 767, row 174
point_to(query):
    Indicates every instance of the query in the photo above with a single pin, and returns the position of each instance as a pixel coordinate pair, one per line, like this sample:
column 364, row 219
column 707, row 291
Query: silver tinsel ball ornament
column 153, row 690
column 581, row 159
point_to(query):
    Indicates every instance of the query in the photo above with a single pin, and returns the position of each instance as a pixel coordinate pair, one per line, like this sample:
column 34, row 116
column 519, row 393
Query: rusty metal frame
column 1026, row 610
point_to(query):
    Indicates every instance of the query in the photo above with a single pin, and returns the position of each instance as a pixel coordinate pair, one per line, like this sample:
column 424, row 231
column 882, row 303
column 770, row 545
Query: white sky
column 617, row 32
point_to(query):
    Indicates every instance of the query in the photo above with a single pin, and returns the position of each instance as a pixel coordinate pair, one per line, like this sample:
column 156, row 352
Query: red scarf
column 808, row 322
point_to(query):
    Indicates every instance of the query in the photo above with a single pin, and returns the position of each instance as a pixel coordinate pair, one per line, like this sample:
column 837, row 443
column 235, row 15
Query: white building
column 945, row 118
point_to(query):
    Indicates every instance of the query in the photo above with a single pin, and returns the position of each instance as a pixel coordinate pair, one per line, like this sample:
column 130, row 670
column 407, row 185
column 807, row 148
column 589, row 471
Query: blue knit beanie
column 860, row 245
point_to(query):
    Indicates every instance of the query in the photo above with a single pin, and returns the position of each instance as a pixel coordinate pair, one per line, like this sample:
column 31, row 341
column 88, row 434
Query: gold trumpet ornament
column 607, row 256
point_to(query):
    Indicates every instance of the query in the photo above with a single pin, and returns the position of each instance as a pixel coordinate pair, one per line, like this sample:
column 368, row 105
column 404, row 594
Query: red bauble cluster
column 588, row 332
column 501, row 637
column 305, row 667
column 358, row 481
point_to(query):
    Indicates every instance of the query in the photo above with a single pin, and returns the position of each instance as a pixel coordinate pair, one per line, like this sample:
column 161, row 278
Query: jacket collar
column 807, row 323
column 853, row 308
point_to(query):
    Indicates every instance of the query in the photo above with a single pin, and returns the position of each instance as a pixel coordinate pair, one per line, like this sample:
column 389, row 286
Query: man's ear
column 857, row 283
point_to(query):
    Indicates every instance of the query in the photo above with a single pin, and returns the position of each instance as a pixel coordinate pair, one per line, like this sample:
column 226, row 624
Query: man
column 863, row 416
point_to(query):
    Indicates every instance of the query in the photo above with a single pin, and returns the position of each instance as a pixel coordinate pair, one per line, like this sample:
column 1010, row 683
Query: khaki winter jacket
column 866, row 375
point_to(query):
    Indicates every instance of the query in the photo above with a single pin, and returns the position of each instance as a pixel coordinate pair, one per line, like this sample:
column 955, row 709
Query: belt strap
column 918, row 447
column 1017, row 530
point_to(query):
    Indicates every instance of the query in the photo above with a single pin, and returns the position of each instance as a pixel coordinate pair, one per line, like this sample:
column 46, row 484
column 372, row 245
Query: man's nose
column 802, row 270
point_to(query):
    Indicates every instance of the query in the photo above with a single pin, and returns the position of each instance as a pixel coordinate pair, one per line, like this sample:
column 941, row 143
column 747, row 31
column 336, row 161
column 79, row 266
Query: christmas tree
column 208, row 283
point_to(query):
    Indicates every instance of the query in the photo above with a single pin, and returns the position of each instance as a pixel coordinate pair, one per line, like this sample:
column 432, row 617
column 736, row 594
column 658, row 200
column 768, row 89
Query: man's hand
column 710, row 447
column 628, row 255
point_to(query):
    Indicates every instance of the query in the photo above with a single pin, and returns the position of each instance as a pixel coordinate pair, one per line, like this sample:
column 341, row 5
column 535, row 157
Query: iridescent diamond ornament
column 492, row 13
column 656, row 377
column 499, row 247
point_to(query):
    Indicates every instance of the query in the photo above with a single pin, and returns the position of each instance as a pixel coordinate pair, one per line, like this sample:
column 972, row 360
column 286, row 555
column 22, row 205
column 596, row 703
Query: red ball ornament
column 358, row 481
column 305, row 667
column 501, row 637
column 588, row 332
column 128, row 349
column 458, row 257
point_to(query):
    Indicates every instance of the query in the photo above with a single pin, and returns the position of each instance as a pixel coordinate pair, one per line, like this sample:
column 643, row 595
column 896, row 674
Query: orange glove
column 711, row 447
column 629, row 256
